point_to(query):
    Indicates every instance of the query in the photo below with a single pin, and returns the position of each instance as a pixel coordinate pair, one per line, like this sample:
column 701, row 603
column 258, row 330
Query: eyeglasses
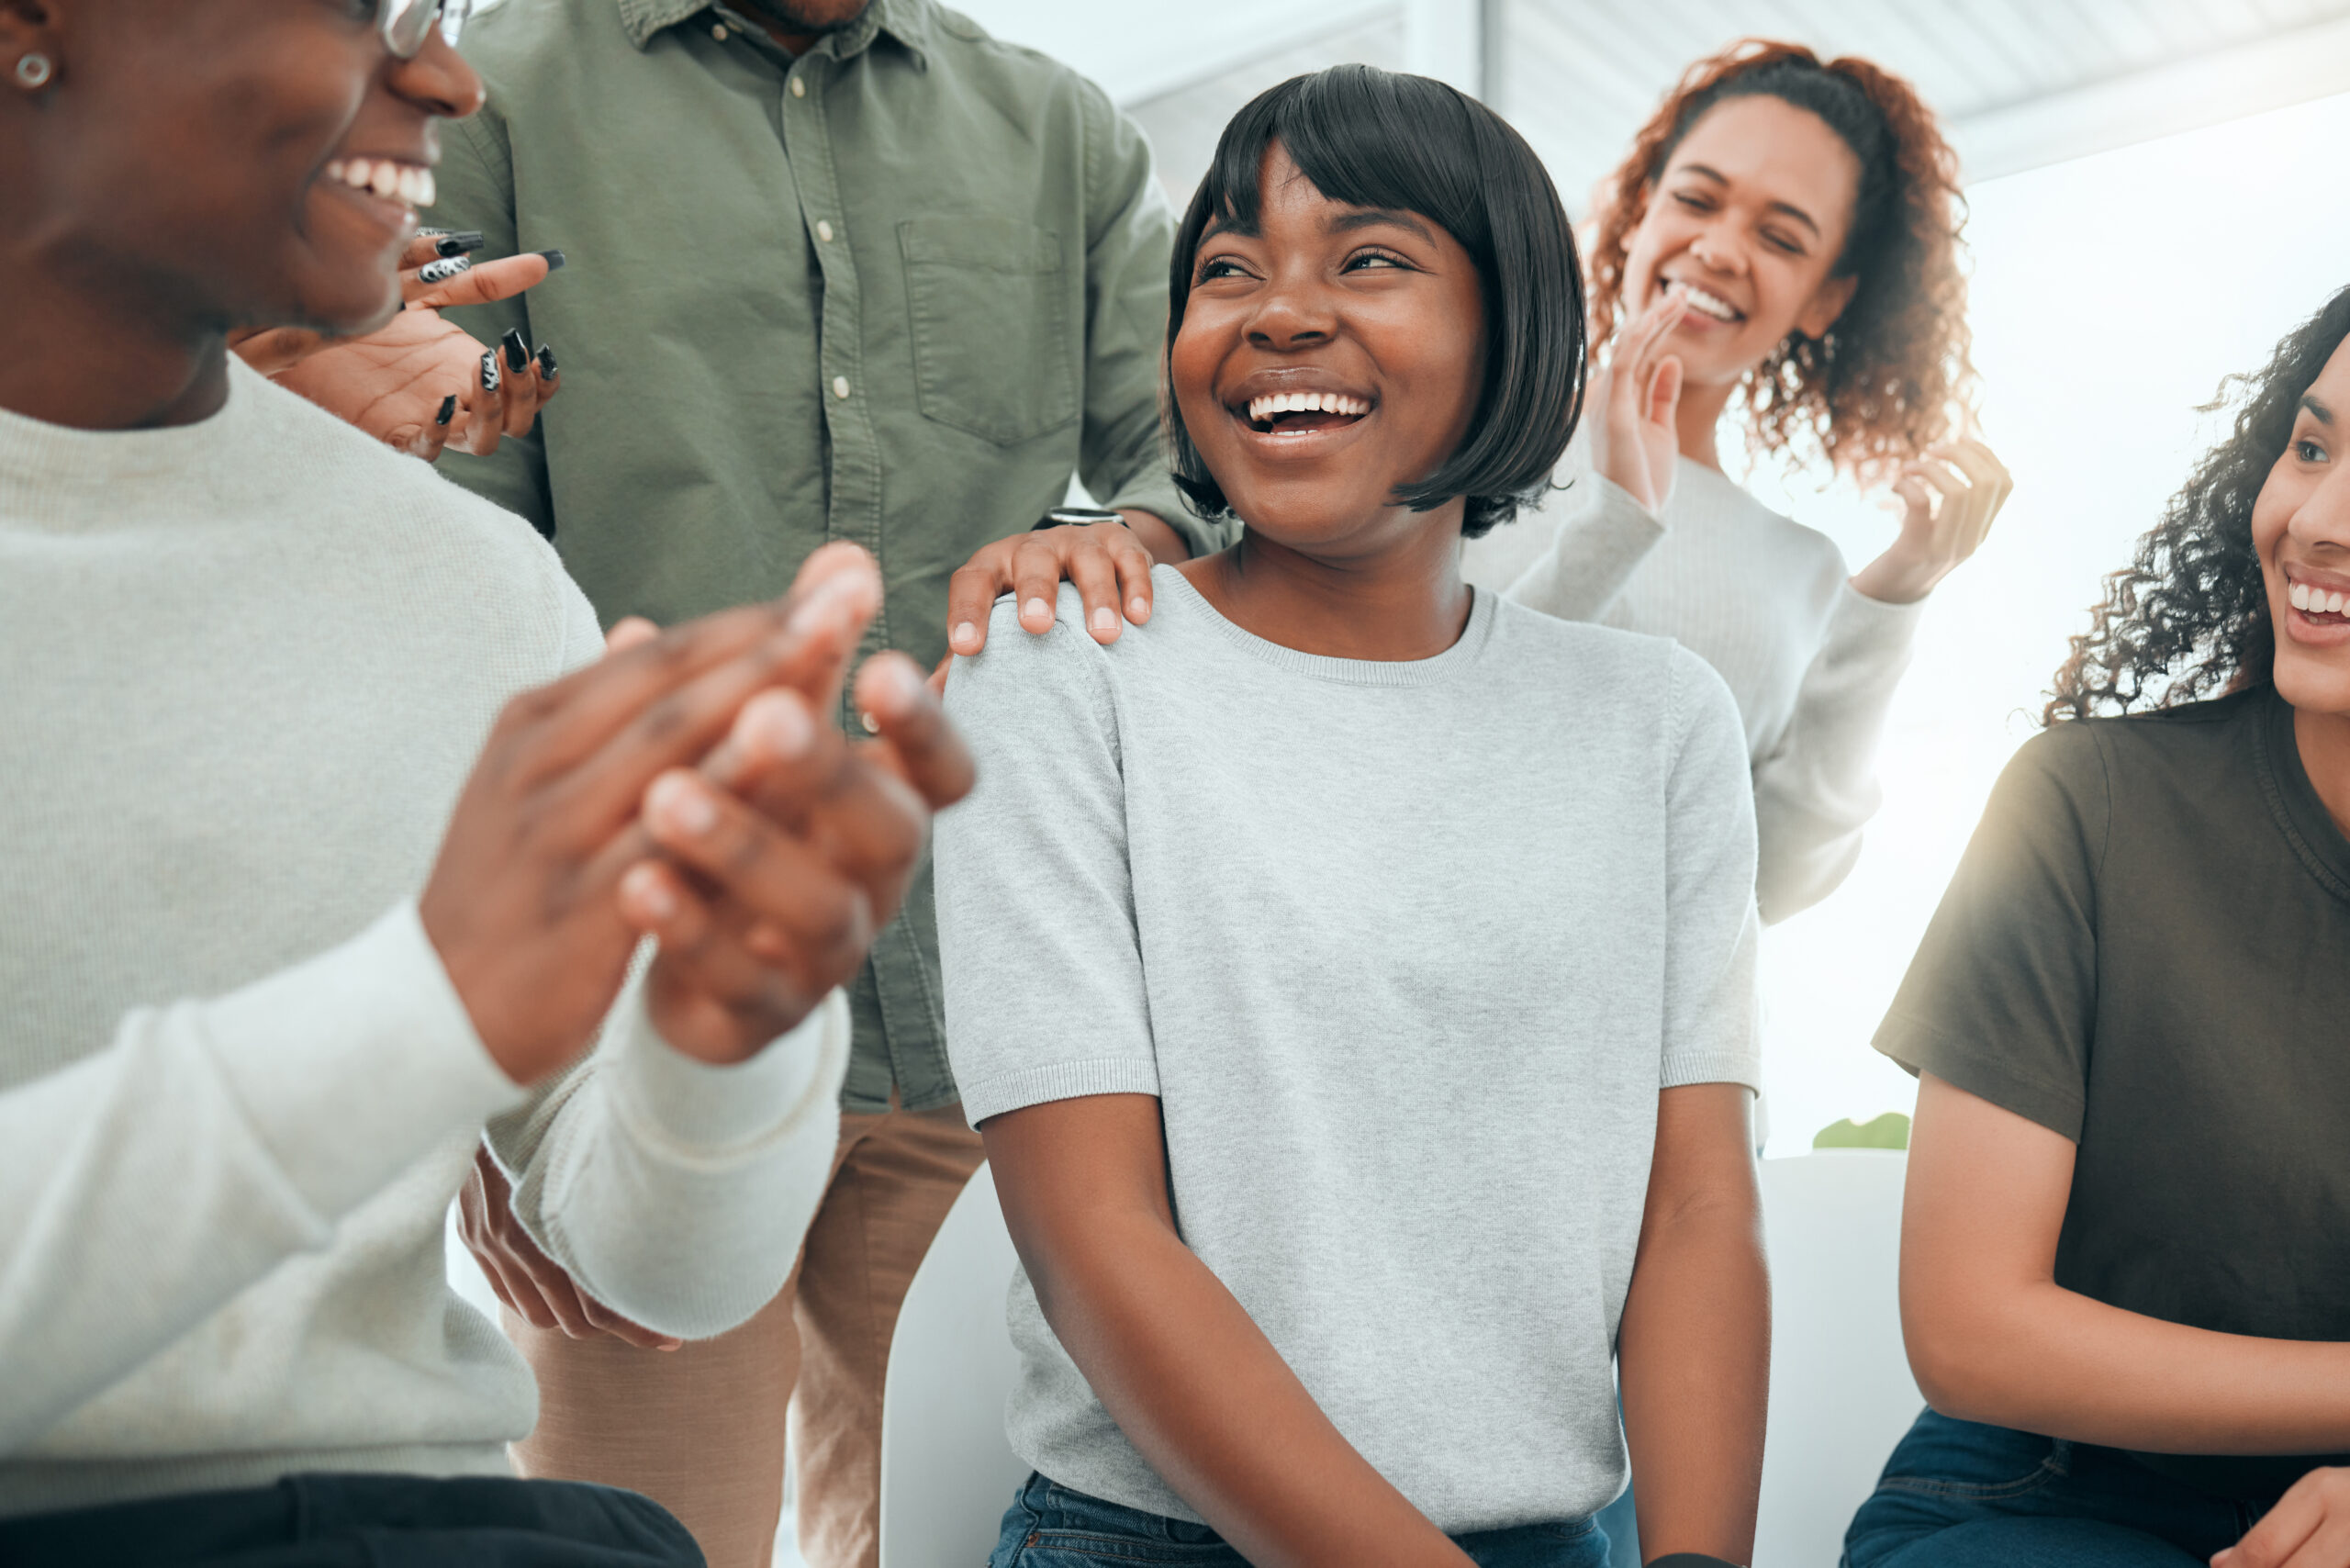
column 408, row 23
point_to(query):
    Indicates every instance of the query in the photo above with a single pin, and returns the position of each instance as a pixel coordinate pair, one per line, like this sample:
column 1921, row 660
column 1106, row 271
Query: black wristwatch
column 1062, row 516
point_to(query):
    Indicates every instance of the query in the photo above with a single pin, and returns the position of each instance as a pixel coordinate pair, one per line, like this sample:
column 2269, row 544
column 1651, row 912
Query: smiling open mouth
column 1295, row 413
column 2324, row 607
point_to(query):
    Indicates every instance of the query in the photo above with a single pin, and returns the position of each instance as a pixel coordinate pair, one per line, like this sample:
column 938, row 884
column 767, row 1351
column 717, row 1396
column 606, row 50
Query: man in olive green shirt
column 836, row 271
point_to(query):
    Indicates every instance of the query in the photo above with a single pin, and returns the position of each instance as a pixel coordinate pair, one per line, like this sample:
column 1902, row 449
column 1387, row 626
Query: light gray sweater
column 1768, row 603
column 1406, row 951
column 244, row 667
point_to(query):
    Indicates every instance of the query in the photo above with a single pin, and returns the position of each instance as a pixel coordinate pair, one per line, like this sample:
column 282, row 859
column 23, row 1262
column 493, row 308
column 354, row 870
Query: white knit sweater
column 1763, row 600
column 244, row 667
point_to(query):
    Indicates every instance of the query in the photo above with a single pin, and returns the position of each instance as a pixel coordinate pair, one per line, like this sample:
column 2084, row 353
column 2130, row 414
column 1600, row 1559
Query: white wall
column 2110, row 296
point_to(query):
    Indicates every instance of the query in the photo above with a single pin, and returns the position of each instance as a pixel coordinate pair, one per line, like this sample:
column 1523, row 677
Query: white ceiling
column 2020, row 83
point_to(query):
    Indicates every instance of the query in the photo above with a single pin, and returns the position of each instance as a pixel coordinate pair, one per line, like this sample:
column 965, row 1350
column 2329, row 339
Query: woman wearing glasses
column 271, row 960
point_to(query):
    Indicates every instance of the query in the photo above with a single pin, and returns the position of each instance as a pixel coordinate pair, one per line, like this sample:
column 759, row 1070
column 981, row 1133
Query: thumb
column 490, row 280
column 1664, row 390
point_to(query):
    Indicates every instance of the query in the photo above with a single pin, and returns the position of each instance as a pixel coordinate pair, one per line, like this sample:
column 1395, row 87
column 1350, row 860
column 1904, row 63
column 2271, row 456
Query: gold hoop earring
column 33, row 72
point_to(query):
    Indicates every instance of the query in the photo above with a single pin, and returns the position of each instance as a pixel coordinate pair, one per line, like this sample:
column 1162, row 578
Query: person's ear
column 29, row 44
column 1826, row 303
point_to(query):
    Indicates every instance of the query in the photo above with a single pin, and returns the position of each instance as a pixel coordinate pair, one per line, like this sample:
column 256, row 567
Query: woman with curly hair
column 2123, row 1280
column 1783, row 237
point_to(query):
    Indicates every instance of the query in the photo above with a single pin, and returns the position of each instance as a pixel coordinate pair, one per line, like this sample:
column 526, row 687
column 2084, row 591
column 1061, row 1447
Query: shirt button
column 839, row 385
column 799, row 87
column 823, row 231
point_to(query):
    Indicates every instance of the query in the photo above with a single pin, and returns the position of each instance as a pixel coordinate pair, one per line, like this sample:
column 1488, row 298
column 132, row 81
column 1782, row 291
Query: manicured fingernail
column 546, row 363
column 425, row 232
column 448, row 410
column 1035, row 610
column 459, row 244
column 1105, row 619
column 553, row 260
column 679, row 803
column 646, row 889
column 442, row 272
column 872, row 725
column 517, row 353
column 1138, row 607
column 965, row 635
column 778, row 724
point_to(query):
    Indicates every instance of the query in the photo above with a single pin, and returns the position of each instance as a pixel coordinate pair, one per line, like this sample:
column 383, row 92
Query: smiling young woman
column 2124, row 1282
column 1782, row 241
column 1351, row 973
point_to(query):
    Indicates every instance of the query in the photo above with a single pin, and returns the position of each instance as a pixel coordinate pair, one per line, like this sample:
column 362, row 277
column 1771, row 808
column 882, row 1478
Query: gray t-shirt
column 1406, row 951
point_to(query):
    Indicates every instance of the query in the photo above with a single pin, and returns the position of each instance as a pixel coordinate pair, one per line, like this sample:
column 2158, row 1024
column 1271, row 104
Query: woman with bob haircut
column 1350, row 973
column 2124, row 1282
column 1782, row 239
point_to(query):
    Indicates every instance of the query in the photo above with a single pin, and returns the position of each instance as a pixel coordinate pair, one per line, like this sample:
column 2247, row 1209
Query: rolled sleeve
column 674, row 1191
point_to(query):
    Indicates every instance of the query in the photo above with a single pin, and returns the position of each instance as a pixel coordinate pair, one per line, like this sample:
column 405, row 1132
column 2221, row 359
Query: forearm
column 2043, row 1359
column 1600, row 543
column 674, row 1192
column 1694, row 1354
column 1203, row 1395
column 1817, row 789
column 145, row 1186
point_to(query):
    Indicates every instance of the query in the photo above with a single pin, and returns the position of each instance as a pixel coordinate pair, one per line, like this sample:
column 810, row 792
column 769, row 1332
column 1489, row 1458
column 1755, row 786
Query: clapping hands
column 690, row 786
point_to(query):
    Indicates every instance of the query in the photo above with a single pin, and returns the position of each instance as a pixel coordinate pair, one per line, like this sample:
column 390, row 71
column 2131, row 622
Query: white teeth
column 2334, row 603
column 1712, row 305
column 1267, row 406
column 409, row 183
column 2298, row 595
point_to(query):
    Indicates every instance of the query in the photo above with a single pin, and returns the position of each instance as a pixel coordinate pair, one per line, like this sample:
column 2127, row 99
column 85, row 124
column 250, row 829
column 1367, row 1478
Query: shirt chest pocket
column 990, row 305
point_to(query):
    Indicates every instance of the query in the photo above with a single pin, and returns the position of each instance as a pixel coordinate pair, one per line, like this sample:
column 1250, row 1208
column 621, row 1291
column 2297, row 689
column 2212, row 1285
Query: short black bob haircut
column 1374, row 139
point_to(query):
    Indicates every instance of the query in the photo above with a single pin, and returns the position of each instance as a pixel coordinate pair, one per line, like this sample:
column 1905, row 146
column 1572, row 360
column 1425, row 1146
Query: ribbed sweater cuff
column 1056, row 1081
column 701, row 1111
column 354, row 1063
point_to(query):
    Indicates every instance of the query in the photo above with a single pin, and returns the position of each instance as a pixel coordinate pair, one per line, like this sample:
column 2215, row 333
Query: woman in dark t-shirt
column 2125, row 1261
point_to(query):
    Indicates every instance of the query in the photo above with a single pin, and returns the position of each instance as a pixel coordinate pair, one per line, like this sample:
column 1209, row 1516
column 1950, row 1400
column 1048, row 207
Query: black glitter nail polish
column 424, row 233
column 448, row 410
column 459, row 244
column 553, row 260
column 546, row 362
column 490, row 376
column 517, row 353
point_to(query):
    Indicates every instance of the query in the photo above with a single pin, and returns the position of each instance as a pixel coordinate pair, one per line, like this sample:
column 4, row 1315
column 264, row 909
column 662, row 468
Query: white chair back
column 946, row 1471
column 1841, row 1389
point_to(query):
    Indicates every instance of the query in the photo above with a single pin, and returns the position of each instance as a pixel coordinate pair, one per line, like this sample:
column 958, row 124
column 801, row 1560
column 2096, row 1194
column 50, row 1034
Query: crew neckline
column 2316, row 838
column 1464, row 651
column 44, row 465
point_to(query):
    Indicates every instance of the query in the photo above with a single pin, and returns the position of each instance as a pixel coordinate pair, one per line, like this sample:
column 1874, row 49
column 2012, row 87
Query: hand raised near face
column 1948, row 500
column 1637, row 441
column 420, row 383
column 523, row 904
column 789, row 848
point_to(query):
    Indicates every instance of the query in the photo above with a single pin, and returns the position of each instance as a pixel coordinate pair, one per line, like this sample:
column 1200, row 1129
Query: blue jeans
column 363, row 1521
column 1050, row 1526
column 1958, row 1495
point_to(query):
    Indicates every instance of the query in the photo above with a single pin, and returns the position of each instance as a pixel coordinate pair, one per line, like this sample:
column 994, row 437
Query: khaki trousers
column 700, row 1430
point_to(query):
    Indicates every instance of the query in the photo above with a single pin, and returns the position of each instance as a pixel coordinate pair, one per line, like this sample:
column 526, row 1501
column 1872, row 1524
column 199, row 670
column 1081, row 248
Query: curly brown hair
column 2188, row 616
column 1896, row 374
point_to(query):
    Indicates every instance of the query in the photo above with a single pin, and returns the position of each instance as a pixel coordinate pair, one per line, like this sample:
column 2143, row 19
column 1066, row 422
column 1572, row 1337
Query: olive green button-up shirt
column 897, row 290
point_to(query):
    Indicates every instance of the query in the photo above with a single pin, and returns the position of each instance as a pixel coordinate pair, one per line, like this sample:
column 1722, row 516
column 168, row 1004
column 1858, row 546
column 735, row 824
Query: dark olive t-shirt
column 2147, row 949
